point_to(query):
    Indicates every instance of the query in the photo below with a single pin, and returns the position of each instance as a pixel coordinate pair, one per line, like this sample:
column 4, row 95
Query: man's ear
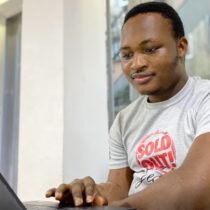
column 182, row 47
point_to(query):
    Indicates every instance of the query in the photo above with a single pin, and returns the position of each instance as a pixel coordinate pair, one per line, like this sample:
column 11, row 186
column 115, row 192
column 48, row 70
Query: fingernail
column 47, row 194
column 57, row 195
column 89, row 199
column 78, row 201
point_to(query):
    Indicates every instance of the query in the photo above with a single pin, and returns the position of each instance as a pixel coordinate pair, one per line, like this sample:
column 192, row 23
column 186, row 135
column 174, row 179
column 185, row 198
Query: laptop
column 10, row 201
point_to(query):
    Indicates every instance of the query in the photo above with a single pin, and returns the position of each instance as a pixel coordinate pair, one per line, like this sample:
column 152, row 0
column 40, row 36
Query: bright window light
column 3, row 1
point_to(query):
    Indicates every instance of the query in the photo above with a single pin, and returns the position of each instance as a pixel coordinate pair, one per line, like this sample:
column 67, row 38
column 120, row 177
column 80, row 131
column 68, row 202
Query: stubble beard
column 158, row 92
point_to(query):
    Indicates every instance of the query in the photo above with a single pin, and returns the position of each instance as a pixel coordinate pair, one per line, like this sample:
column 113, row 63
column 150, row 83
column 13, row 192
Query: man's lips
column 142, row 77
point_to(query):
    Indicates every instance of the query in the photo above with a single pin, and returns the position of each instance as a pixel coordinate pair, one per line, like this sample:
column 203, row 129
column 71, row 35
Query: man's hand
column 79, row 192
column 85, row 191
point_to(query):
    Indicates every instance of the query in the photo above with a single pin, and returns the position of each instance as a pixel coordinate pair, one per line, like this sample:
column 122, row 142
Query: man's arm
column 116, row 188
column 117, row 185
column 186, row 188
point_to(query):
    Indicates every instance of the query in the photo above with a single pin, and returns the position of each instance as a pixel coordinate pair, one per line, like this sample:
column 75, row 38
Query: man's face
column 152, row 60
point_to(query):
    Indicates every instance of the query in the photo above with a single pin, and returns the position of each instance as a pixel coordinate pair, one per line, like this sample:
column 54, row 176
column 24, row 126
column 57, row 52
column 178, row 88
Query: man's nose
column 138, row 62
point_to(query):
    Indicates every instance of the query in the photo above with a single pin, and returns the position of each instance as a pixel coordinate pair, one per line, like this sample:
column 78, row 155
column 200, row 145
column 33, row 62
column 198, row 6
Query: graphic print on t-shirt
column 156, row 155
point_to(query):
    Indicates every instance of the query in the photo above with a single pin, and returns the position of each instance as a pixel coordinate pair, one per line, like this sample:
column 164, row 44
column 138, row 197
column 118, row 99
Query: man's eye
column 150, row 50
column 126, row 56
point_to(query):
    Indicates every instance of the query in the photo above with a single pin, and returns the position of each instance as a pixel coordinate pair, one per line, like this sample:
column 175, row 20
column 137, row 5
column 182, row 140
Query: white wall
column 63, row 94
column 41, row 98
column 85, row 90
column 82, row 56
column 2, row 63
column 2, row 55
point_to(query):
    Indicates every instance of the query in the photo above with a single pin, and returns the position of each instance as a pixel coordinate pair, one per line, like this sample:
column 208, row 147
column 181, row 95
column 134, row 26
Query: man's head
column 153, row 49
column 162, row 8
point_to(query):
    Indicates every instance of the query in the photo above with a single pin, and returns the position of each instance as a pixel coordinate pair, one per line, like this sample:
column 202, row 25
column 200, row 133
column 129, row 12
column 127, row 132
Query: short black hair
column 162, row 8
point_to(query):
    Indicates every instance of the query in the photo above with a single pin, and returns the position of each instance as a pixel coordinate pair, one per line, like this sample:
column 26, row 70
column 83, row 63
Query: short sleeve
column 117, row 153
column 203, row 117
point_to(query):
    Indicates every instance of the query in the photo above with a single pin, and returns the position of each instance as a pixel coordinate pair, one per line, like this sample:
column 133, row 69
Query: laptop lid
column 8, row 199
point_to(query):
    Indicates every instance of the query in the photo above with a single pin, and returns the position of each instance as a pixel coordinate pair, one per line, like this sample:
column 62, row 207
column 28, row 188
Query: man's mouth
column 142, row 77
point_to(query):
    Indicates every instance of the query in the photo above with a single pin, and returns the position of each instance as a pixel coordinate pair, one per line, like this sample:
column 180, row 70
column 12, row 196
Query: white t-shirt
column 154, row 138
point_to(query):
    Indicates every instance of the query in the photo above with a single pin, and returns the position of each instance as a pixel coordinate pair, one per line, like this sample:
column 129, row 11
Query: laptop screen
column 8, row 199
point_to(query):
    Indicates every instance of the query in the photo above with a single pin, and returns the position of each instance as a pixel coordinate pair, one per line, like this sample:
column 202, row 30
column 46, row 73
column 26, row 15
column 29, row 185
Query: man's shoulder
column 201, row 86
column 198, row 81
column 200, row 93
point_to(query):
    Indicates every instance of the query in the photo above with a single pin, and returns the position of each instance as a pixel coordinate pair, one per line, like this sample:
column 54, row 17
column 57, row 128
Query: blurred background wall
column 54, row 101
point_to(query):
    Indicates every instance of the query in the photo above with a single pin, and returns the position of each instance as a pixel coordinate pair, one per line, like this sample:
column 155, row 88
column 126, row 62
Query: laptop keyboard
column 33, row 207
column 41, row 205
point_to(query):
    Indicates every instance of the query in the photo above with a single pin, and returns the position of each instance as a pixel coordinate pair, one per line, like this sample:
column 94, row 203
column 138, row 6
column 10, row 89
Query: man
column 159, row 144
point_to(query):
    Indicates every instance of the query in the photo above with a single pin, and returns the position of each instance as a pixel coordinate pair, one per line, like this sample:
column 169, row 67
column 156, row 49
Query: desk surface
column 45, row 205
